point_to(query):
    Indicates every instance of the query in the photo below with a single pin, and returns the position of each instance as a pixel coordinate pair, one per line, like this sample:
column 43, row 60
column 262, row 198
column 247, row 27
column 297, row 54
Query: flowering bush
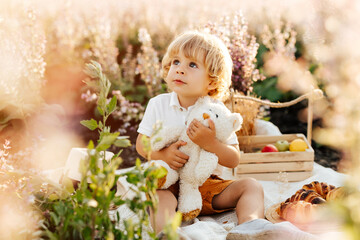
column 78, row 37
column 243, row 50
column 280, row 38
column 22, row 44
column 149, row 66
column 21, row 193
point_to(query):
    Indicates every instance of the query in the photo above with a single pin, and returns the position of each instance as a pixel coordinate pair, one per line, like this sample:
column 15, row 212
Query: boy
column 198, row 64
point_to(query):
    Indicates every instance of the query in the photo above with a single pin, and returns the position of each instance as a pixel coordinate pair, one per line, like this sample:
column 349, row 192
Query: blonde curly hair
column 209, row 49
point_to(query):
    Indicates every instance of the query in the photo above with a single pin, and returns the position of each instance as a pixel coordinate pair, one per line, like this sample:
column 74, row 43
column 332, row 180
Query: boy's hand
column 202, row 135
column 173, row 156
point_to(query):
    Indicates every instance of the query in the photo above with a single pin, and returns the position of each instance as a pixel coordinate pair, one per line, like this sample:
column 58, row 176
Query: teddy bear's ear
column 237, row 121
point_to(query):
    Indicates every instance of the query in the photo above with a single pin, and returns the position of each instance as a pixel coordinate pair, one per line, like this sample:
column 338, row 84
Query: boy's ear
column 212, row 85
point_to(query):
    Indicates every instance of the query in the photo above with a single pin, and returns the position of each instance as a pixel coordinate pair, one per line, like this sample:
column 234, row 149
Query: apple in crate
column 269, row 148
column 282, row 145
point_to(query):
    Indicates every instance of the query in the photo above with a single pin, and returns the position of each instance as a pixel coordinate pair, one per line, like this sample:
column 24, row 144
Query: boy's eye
column 175, row 62
column 193, row 65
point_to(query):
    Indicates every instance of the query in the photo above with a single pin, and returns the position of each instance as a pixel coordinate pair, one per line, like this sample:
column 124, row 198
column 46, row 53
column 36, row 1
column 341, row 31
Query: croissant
column 309, row 196
column 321, row 188
column 296, row 212
column 336, row 193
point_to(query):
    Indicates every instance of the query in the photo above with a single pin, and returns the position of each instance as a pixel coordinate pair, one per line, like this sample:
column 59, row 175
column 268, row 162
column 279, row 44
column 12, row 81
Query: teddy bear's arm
column 171, row 177
column 165, row 137
column 206, row 165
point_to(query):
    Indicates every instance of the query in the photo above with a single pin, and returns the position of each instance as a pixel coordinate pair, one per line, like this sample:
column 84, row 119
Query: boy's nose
column 180, row 72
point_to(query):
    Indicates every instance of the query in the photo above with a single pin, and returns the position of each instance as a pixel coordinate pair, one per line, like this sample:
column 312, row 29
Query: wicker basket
column 249, row 111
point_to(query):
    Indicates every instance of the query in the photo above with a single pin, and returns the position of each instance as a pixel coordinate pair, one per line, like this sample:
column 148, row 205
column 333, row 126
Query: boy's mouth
column 178, row 81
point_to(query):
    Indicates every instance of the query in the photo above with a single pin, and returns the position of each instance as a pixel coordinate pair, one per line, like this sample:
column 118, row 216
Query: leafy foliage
column 84, row 213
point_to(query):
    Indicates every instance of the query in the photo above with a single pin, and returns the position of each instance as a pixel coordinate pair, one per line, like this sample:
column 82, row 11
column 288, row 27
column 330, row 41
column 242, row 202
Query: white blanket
column 217, row 226
column 274, row 192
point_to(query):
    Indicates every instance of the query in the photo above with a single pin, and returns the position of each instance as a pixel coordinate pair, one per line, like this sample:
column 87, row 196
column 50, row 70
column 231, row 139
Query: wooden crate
column 273, row 166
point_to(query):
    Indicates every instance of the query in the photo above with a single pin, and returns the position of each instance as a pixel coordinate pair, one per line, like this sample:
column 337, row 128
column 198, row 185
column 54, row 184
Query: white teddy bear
column 201, row 163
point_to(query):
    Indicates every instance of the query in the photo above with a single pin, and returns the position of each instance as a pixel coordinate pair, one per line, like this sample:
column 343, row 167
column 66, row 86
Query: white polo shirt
column 166, row 108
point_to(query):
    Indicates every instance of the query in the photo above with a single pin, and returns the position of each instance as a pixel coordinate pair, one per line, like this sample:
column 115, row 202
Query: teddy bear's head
column 225, row 121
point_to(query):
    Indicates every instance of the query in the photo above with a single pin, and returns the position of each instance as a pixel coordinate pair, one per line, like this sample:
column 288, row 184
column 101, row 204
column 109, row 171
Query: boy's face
column 188, row 77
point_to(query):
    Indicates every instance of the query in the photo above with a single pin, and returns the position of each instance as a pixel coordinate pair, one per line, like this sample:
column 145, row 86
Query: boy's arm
column 205, row 137
column 229, row 155
column 171, row 155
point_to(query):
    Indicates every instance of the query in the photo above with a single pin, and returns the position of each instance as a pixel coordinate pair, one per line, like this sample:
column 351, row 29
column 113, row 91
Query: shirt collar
column 174, row 102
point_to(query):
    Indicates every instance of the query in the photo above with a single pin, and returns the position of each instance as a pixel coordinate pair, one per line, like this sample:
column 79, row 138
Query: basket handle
column 313, row 95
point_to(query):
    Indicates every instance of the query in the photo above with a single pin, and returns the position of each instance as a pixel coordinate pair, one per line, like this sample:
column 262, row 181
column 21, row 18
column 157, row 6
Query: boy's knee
column 250, row 184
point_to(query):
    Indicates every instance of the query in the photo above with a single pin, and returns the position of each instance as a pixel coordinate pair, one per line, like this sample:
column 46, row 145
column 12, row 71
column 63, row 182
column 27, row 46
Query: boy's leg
column 246, row 195
column 166, row 208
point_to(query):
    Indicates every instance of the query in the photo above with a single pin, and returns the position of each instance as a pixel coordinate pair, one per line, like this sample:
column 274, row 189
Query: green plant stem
column 104, row 122
column 93, row 217
column 93, row 226
column 154, row 207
